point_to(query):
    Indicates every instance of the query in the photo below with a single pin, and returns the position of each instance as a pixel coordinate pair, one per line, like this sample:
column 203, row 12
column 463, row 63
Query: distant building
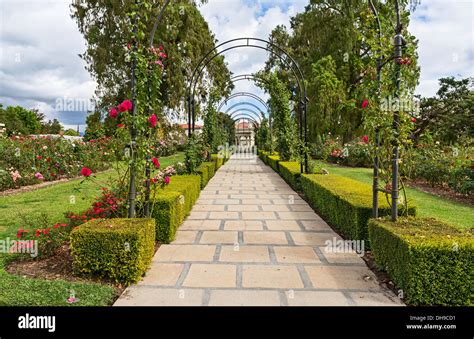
column 244, row 134
column 197, row 128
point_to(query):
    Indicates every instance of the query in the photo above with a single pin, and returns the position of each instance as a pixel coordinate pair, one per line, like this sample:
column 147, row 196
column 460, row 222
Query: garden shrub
column 291, row 172
column 168, row 211
column 115, row 249
column 345, row 203
column 206, row 170
column 273, row 161
column 430, row 261
column 189, row 186
column 218, row 159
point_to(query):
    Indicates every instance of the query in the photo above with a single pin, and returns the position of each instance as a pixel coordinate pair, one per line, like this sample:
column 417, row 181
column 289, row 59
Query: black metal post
column 398, row 42
column 300, row 127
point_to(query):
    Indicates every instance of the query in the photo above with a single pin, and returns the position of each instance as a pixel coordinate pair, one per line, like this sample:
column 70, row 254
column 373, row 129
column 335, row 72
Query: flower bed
column 430, row 261
column 27, row 160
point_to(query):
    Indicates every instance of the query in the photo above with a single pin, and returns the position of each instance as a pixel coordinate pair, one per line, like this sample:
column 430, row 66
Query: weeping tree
column 183, row 34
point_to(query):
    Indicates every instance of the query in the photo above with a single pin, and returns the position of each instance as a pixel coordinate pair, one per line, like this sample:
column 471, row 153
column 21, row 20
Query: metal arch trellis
column 246, row 110
column 199, row 69
column 245, row 103
column 245, row 116
column 243, row 94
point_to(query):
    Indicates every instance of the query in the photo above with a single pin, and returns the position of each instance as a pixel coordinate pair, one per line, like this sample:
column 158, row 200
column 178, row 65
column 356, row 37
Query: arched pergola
column 270, row 47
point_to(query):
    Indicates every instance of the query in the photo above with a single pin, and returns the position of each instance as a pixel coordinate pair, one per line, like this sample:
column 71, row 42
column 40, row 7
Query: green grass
column 54, row 201
column 428, row 205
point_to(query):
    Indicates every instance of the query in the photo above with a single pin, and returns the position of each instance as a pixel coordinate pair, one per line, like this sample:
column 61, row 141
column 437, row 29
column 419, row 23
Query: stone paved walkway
column 251, row 240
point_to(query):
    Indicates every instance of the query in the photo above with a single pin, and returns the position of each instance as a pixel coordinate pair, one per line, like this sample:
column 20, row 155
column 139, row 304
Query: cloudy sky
column 40, row 43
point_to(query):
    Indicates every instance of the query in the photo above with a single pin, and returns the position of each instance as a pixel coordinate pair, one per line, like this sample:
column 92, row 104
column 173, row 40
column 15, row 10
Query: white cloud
column 446, row 41
column 40, row 43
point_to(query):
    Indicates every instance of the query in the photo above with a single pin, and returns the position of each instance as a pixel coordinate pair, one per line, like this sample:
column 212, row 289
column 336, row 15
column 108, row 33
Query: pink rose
column 365, row 139
column 126, row 105
column 167, row 180
column 39, row 176
column 365, row 103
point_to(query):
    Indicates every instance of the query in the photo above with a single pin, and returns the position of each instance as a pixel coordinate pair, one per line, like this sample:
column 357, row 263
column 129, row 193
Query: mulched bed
column 442, row 192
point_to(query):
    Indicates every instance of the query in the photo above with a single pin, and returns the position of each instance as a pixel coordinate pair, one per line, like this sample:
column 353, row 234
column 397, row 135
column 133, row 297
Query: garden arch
column 270, row 47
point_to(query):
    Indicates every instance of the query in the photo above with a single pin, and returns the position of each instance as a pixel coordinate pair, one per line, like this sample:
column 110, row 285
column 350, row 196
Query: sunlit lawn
column 54, row 201
column 429, row 205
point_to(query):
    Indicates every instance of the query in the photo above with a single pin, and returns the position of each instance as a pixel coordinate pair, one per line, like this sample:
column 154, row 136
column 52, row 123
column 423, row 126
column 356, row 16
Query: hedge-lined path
column 251, row 240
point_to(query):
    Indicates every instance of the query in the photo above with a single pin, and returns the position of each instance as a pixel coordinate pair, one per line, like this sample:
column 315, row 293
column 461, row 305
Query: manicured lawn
column 53, row 201
column 429, row 205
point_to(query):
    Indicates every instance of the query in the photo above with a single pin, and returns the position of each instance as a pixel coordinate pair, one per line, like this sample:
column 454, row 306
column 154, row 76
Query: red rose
column 38, row 233
column 413, row 120
column 86, row 172
column 152, row 120
column 39, row 157
column 167, row 180
column 120, row 125
column 365, row 103
column 365, row 139
column 156, row 162
column 126, row 105
column 113, row 113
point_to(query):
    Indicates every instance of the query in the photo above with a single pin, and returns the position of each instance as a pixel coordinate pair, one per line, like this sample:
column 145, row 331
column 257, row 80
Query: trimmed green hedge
column 430, row 261
column 206, row 170
column 189, row 186
column 116, row 249
column 345, row 203
column 219, row 160
column 291, row 172
column 169, row 212
column 272, row 161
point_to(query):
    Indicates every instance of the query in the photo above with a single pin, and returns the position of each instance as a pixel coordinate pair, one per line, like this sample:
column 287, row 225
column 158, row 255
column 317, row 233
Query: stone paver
column 251, row 240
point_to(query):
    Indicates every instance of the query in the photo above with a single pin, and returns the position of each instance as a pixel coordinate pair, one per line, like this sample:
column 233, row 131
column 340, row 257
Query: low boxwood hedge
column 115, row 249
column 169, row 211
column 291, row 172
column 430, row 261
column 206, row 170
column 345, row 203
column 218, row 159
column 189, row 186
column 272, row 161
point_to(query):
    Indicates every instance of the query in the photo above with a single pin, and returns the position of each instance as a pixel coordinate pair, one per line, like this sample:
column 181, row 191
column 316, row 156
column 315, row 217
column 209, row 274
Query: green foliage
column 115, row 249
column 262, row 135
column 183, row 32
column 212, row 134
column 291, row 172
column 218, row 159
column 19, row 120
column 189, row 186
column 273, row 161
column 168, row 212
column 94, row 127
column 326, row 111
column 448, row 116
column 430, row 261
column 195, row 153
column 72, row 132
column 206, row 170
column 345, row 203
column 279, row 103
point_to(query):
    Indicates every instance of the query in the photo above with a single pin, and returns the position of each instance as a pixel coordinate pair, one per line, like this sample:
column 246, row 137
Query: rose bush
column 31, row 160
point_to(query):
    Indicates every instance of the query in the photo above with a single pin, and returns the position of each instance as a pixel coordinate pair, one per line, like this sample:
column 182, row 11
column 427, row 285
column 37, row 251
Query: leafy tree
column 262, row 135
column 95, row 127
column 227, row 128
column 279, row 104
column 449, row 116
column 71, row 132
column 182, row 32
column 52, row 127
column 19, row 120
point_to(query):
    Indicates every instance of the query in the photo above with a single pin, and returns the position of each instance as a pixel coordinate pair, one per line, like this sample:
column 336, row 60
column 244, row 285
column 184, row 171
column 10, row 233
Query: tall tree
column 183, row 33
